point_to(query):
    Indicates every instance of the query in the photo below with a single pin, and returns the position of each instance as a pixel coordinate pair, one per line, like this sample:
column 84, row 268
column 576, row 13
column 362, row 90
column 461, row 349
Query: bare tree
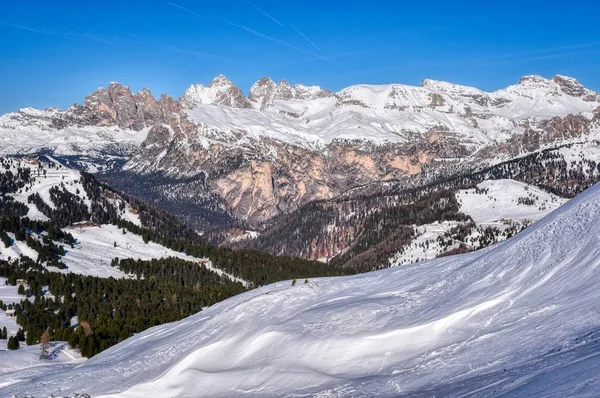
column 87, row 328
column 45, row 343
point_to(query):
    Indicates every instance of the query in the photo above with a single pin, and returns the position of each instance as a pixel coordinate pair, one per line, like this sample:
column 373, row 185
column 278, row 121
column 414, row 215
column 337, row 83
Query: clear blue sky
column 56, row 52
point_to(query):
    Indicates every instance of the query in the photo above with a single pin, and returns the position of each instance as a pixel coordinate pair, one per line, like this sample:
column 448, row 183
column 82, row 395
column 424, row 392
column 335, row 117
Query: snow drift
column 518, row 319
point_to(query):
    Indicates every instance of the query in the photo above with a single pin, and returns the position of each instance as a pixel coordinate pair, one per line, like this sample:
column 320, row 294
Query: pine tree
column 13, row 343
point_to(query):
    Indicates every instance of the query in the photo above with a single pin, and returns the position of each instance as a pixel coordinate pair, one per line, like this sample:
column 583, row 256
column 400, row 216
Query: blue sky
column 56, row 52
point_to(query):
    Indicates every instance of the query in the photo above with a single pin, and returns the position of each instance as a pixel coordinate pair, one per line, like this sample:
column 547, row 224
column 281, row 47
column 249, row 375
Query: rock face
column 307, row 144
column 117, row 106
column 257, row 185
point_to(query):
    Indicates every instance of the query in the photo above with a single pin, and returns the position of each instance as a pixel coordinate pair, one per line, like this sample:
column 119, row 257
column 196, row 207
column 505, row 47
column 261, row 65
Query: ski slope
column 504, row 321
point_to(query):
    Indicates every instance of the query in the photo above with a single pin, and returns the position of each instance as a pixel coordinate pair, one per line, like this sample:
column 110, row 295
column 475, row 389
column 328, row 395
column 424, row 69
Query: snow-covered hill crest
column 502, row 322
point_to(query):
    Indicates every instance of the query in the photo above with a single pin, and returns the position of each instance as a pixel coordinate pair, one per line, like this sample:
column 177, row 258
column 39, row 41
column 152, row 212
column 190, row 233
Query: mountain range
column 283, row 146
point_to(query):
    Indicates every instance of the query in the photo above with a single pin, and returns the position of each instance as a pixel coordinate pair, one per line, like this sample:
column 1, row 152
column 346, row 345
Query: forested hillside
column 57, row 224
column 367, row 225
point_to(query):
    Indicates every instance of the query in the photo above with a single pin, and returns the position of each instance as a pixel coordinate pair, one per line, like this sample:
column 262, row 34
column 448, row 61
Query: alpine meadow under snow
column 516, row 319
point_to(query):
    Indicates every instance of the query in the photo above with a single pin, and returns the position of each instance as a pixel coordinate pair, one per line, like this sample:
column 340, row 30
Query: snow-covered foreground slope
column 505, row 321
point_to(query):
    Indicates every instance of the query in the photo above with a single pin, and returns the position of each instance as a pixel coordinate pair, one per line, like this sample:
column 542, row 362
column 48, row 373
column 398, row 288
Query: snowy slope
column 30, row 130
column 505, row 321
column 499, row 200
column 95, row 249
column 504, row 207
column 27, row 358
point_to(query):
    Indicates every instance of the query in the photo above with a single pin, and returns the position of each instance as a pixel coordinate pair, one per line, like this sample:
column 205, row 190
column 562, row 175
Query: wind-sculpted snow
column 517, row 319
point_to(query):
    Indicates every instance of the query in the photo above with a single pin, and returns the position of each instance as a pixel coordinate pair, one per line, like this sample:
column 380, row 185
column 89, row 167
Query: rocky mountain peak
column 264, row 82
column 220, row 81
column 429, row 83
column 570, row 86
column 220, row 91
column 264, row 91
column 533, row 79
column 117, row 106
column 261, row 89
column 284, row 91
column 145, row 92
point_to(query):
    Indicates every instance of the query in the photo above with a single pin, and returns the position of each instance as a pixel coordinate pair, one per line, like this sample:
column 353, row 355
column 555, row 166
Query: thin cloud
column 264, row 13
column 555, row 56
column 541, row 53
column 87, row 35
column 306, row 38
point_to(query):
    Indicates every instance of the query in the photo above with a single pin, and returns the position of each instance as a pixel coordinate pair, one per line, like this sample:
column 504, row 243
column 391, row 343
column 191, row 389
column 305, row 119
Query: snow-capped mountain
column 286, row 151
column 287, row 145
column 517, row 319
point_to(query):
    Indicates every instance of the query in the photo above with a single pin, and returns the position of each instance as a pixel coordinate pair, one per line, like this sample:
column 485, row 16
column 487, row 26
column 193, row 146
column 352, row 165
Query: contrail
column 274, row 40
column 306, row 38
column 198, row 53
column 193, row 13
column 185, row 9
column 265, row 14
column 53, row 33
column 26, row 28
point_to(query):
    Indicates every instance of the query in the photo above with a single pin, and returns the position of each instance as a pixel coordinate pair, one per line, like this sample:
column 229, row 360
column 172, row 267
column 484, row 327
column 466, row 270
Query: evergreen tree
column 13, row 343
